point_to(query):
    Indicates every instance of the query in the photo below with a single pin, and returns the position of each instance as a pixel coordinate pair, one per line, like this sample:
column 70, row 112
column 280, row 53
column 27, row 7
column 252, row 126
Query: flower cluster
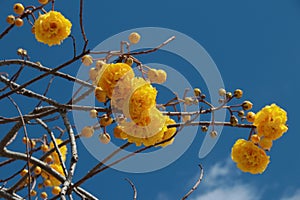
column 49, row 180
column 249, row 157
column 63, row 150
column 132, row 97
column 270, row 123
column 110, row 74
column 160, row 134
column 52, row 28
column 136, row 99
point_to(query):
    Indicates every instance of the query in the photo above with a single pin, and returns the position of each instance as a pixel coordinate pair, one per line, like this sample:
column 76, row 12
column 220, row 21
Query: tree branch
column 196, row 184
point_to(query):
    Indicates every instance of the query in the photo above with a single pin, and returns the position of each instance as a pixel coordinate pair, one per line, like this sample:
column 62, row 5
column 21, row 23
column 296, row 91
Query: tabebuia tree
column 128, row 111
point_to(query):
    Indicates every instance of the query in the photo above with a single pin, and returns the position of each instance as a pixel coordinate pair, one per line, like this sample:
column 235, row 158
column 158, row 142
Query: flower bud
column 204, row 128
column 266, row 143
column 93, row 74
column 129, row 61
column 213, row 134
column 19, row 22
column 255, row 139
column 33, row 193
column 161, row 76
column 228, row 95
column 87, row 131
column 188, row 101
column 247, row 105
column 104, row 138
column 44, row 195
column 10, row 19
column 233, row 120
column 186, row 118
column 222, row 92
column 100, row 94
column 197, row 92
column 134, row 38
column 43, row 1
column 48, row 159
column 37, row 170
column 56, row 190
column 241, row 113
column 47, row 183
column 99, row 64
column 87, row 60
column 106, row 121
column 24, row 172
column 18, row 8
column 250, row 116
column 238, row 93
column 93, row 113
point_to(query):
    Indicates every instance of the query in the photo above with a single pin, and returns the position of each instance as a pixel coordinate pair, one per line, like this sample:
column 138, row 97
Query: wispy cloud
column 235, row 192
column 295, row 196
column 162, row 196
column 222, row 182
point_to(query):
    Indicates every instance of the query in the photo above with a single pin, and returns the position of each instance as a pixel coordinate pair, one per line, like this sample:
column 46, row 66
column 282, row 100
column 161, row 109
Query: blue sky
column 255, row 45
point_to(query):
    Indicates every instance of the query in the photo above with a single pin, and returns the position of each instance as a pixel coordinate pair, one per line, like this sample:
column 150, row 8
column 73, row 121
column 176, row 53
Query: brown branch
column 7, row 195
column 81, row 26
column 196, row 184
column 92, row 171
column 29, row 93
column 42, row 68
column 152, row 50
column 57, row 150
column 74, row 158
column 133, row 188
column 34, row 161
column 7, row 162
column 208, row 123
column 44, row 75
column 46, row 91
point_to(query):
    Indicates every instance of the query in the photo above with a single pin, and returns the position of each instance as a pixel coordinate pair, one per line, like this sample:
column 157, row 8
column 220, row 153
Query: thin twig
column 74, row 157
column 40, row 67
column 82, row 27
column 57, row 150
column 44, row 75
column 133, row 187
column 196, row 184
column 27, row 144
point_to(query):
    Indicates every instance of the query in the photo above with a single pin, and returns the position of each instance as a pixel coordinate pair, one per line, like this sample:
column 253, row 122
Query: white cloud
column 222, row 181
column 295, row 196
column 162, row 196
column 235, row 192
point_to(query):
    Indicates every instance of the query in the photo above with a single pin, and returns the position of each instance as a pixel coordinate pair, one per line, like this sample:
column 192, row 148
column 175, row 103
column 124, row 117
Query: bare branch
column 52, row 71
column 44, row 125
column 40, row 67
column 7, row 195
column 196, row 184
column 74, row 158
column 133, row 187
column 81, row 26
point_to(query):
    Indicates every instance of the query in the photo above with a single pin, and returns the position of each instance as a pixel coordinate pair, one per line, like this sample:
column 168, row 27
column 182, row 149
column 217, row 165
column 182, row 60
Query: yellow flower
column 146, row 135
column 266, row 143
column 141, row 100
column 52, row 28
column 53, row 180
column 249, row 157
column 271, row 122
column 110, row 74
column 63, row 151
column 168, row 133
